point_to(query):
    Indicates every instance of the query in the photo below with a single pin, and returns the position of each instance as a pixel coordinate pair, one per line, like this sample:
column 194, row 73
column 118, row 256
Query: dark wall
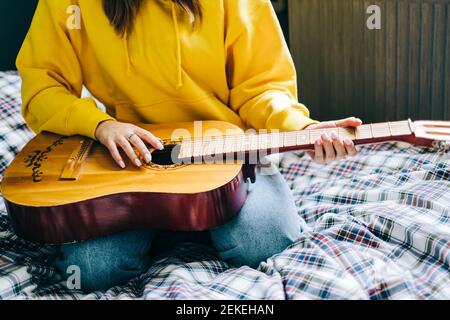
column 15, row 18
column 283, row 16
column 345, row 69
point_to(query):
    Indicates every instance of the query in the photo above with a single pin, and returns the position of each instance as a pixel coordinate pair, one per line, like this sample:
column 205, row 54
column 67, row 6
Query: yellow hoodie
column 234, row 67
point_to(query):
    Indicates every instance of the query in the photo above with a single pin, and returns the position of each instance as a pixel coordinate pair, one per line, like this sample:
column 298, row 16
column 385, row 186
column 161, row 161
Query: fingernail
column 334, row 136
column 319, row 142
column 160, row 146
column 326, row 137
column 137, row 163
column 348, row 142
column 122, row 164
column 148, row 157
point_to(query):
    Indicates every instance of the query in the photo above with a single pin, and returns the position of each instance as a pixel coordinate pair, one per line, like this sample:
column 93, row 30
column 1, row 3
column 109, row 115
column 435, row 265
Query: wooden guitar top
column 33, row 179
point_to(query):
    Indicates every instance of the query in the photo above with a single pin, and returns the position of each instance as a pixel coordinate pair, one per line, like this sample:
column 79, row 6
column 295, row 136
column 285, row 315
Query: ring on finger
column 130, row 136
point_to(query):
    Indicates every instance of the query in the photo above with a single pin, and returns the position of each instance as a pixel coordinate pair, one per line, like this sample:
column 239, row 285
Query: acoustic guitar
column 66, row 189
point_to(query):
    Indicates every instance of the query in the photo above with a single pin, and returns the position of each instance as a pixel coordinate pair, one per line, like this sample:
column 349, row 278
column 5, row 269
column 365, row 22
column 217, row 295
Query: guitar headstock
column 431, row 133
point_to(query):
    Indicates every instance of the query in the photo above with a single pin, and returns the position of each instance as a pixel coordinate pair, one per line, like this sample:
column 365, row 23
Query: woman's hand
column 114, row 134
column 329, row 147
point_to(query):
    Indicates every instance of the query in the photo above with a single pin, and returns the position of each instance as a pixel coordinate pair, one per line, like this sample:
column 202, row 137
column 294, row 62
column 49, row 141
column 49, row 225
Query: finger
column 349, row 122
column 319, row 155
column 149, row 138
column 339, row 147
column 330, row 153
column 141, row 147
column 350, row 147
column 126, row 146
column 112, row 147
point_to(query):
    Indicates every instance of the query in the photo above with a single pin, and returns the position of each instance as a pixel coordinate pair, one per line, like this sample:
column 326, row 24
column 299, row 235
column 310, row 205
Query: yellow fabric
column 233, row 67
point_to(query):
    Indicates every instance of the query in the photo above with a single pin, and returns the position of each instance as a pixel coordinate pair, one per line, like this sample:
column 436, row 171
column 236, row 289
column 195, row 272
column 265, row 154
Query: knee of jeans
column 99, row 272
column 250, row 248
column 268, row 230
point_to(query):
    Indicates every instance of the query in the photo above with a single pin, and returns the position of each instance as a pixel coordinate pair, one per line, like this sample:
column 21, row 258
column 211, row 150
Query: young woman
column 160, row 61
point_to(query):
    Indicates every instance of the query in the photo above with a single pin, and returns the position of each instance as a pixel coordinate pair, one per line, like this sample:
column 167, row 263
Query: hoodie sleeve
column 260, row 70
column 52, row 77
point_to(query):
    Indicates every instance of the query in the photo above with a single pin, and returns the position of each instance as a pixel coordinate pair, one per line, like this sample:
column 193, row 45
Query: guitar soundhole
column 163, row 159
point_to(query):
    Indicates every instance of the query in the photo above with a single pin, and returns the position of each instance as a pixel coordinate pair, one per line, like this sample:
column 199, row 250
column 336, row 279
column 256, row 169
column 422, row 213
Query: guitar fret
column 204, row 147
column 290, row 139
column 230, row 144
column 239, row 143
column 227, row 145
column 401, row 128
column 219, row 146
column 253, row 142
column 245, row 143
column 197, row 148
column 263, row 142
column 390, row 129
column 303, row 138
column 234, row 144
column 379, row 130
column 186, row 150
column 211, row 147
column 363, row 132
column 314, row 135
column 358, row 133
column 276, row 141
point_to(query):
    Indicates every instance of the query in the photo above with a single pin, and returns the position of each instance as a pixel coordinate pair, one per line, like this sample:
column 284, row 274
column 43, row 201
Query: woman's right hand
column 115, row 135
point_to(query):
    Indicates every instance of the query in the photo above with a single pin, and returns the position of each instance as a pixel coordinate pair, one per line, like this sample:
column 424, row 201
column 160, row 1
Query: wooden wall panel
column 400, row 71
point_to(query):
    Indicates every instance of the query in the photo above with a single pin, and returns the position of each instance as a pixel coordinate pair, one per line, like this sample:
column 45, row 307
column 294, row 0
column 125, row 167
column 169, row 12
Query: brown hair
column 121, row 13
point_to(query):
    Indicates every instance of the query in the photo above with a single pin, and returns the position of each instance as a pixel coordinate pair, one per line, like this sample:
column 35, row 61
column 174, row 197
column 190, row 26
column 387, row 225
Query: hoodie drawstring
column 178, row 40
column 127, row 53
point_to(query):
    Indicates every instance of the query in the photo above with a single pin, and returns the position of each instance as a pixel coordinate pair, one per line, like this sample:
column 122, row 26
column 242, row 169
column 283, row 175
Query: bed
column 376, row 226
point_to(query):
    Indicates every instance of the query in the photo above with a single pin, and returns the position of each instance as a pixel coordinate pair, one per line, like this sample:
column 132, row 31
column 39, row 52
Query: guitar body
column 105, row 199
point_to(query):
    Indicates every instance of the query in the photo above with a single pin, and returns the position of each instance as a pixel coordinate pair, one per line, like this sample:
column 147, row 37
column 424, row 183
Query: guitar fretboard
column 291, row 140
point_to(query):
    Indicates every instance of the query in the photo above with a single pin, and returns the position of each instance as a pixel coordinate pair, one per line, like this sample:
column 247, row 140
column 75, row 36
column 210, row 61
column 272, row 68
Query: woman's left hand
column 329, row 147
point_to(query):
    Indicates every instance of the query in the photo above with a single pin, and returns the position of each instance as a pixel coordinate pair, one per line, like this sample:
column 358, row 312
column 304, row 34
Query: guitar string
column 234, row 137
column 297, row 132
column 225, row 137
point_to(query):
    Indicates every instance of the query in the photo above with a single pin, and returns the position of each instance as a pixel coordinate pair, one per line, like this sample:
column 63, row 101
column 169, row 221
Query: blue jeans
column 266, row 225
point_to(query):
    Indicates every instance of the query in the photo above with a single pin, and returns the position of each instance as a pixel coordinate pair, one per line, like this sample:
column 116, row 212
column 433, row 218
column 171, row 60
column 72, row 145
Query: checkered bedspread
column 378, row 227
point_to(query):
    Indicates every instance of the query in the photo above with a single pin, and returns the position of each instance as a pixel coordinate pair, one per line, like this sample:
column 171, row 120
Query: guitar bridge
column 72, row 168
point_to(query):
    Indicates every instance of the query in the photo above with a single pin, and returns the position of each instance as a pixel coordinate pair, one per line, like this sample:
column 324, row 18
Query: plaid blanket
column 377, row 226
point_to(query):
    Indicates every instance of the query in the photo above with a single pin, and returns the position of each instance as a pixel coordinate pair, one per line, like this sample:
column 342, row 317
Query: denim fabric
column 266, row 225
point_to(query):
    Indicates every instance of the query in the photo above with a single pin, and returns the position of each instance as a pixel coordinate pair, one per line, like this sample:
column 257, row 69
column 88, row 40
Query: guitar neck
column 276, row 142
